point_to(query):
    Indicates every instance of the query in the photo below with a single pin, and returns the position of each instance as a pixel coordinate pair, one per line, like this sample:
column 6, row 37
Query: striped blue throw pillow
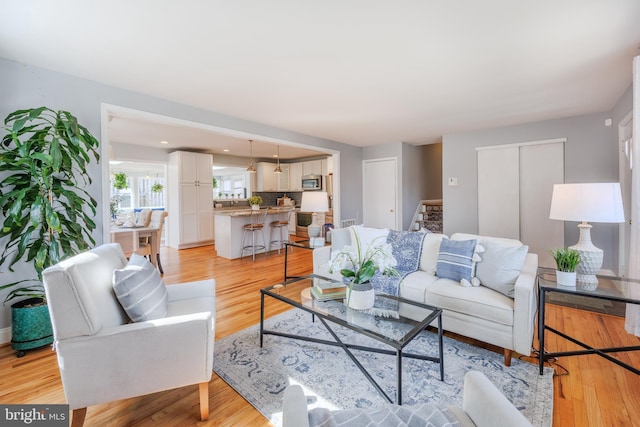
column 455, row 259
column 140, row 290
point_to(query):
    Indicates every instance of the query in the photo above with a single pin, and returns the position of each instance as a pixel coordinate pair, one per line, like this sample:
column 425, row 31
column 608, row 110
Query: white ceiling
column 362, row 72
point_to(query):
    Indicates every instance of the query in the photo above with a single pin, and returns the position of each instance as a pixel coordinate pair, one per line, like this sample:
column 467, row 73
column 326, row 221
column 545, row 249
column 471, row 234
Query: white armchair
column 103, row 357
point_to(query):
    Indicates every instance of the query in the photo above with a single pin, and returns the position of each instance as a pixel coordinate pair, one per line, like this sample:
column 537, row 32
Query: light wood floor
column 588, row 391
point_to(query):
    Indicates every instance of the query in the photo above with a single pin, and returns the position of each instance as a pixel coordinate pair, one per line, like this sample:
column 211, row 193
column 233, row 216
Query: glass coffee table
column 396, row 333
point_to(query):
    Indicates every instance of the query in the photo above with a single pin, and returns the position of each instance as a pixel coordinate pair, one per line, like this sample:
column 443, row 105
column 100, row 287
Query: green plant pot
column 30, row 325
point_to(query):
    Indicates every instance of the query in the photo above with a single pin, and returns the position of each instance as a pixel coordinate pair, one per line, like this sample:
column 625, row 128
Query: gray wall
column 591, row 155
column 23, row 86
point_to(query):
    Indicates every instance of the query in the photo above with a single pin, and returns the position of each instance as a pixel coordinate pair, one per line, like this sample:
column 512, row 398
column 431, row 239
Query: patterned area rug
column 327, row 374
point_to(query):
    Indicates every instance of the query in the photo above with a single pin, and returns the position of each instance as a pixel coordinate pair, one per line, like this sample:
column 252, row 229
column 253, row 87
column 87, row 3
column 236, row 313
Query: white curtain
column 632, row 322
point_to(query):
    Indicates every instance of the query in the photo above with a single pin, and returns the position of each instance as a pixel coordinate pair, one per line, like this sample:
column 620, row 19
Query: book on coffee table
column 330, row 287
column 319, row 296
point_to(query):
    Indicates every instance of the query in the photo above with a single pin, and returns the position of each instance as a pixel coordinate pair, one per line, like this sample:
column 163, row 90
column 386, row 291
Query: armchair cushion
column 140, row 290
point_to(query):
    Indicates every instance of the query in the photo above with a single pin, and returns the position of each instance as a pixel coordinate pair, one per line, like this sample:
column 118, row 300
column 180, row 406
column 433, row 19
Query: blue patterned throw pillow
column 455, row 259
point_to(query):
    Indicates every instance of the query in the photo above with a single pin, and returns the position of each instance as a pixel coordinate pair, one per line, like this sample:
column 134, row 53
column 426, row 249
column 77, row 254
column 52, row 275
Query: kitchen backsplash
column 270, row 198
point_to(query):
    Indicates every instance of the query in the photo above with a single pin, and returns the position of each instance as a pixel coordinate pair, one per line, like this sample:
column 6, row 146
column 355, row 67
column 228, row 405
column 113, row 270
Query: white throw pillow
column 368, row 235
column 140, row 290
column 429, row 254
column 500, row 266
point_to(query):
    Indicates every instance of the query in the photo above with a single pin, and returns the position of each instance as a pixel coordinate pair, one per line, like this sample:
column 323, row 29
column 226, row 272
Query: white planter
column 566, row 278
column 360, row 296
column 255, row 207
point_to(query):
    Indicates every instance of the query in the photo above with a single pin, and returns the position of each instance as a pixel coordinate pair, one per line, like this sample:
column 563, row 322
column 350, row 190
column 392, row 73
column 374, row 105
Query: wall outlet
column 453, row 182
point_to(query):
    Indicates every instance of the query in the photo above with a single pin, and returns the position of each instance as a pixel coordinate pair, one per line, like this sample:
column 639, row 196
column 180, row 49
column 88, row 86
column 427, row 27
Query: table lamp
column 592, row 202
column 314, row 202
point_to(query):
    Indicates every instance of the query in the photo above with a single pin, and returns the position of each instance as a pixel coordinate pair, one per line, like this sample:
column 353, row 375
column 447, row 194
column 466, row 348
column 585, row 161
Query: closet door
column 541, row 166
column 515, row 183
column 499, row 192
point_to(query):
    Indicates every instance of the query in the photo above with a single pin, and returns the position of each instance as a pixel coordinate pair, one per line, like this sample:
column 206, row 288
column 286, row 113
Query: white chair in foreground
column 102, row 355
column 483, row 406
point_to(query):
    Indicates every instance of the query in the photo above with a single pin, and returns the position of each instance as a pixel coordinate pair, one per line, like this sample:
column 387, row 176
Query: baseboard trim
column 5, row 335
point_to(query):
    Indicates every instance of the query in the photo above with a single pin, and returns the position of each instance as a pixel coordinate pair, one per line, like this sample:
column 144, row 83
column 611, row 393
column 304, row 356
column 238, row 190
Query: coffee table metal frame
column 302, row 244
column 435, row 314
column 547, row 284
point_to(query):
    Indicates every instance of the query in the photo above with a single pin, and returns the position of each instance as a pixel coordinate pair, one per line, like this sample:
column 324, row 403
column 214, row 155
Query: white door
column 515, row 183
column 541, row 166
column 625, row 137
column 380, row 193
column 499, row 192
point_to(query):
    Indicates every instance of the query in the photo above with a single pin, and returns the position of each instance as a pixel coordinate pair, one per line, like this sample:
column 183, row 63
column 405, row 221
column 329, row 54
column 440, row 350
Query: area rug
column 330, row 379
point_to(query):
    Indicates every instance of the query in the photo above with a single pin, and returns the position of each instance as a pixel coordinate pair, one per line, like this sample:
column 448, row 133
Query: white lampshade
column 592, row 202
column 314, row 201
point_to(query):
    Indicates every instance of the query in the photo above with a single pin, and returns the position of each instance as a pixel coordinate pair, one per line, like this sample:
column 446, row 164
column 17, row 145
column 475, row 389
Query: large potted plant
column 47, row 214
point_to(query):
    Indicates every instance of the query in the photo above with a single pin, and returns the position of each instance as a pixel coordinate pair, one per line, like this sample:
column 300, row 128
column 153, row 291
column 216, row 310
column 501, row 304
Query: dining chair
column 156, row 221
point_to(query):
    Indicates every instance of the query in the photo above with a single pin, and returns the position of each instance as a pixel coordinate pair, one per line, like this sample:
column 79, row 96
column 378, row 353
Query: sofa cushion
column 480, row 301
column 340, row 237
column 500, row 266
column 456, row 259
column 140, row 290
column 368, row 235
column 484, row 239
column 430, row 249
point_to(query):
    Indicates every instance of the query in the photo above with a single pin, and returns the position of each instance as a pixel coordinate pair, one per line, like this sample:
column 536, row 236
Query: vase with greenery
column 566, row 262
column 47, row 213
column 255, row 202
column 358, row 265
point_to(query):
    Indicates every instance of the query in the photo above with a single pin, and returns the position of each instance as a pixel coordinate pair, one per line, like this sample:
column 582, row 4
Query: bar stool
column 280, row 226
column 256, row 225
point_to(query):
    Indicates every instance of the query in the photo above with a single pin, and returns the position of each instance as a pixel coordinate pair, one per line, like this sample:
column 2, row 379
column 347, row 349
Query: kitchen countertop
column 246, row 210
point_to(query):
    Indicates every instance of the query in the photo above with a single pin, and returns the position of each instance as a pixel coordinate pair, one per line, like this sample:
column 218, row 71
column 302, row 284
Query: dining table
column 129, row 239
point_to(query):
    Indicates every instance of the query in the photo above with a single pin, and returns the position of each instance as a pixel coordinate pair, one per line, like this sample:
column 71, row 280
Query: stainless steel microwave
column 312, row 182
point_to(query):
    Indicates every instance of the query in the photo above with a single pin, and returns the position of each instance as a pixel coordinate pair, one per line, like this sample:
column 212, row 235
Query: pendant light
column 252, row 166
column 277, row 169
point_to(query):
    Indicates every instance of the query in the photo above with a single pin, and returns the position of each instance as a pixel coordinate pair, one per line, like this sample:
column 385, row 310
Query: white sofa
column 482, row 406
column 478, row 312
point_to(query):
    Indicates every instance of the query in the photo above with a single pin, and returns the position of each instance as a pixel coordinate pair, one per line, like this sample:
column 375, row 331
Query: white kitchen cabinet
column 295, row 176
column 327, row 165
column 267, row 180
column 283, row 178
column 189, row 200
column 312, row 167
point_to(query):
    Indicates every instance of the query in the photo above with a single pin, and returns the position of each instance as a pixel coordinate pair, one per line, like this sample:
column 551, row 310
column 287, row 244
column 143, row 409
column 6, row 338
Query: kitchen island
column 228, row 228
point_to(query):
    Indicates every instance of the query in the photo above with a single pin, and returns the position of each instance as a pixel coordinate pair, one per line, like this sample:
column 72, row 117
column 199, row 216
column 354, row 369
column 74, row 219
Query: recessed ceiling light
column 226, row 150
column 164, row 142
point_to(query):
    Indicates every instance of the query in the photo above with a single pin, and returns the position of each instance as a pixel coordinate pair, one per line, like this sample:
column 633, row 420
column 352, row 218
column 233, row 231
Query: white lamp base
column 314, row 229
column 591, row 258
